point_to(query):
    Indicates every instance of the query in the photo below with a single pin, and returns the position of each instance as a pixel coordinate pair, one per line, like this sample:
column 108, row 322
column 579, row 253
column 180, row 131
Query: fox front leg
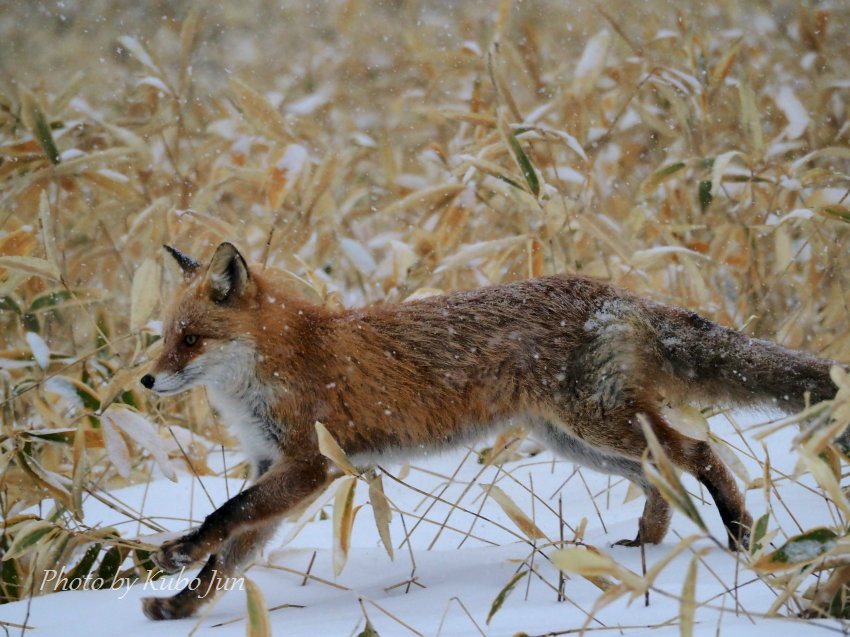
column 275, row 493
column 173, row 555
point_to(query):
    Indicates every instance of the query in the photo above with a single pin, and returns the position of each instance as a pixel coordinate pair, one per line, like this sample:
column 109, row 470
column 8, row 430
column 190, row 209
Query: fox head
column 206, row 334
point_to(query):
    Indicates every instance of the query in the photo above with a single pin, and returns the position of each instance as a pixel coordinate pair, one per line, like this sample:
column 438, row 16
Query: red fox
column 579, row 359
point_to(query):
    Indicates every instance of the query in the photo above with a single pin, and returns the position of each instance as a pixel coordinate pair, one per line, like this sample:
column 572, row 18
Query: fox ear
column 189, row 266
column 227, row 277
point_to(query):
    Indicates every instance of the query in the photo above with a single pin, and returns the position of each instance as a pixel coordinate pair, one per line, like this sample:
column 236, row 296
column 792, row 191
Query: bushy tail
column 718, row 364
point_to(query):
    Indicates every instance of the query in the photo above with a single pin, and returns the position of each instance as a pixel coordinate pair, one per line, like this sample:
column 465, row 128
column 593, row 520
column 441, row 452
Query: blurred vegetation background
column 696, row 152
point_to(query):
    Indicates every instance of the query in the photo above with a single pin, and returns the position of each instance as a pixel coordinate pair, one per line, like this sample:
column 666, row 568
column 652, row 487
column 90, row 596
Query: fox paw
column 159, row 608
column 741, row 543
column 172, row 556
column 156, row 608
column 627, row 542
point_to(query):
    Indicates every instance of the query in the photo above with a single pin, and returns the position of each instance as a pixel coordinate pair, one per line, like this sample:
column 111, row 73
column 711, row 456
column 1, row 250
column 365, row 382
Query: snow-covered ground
column 460, row 566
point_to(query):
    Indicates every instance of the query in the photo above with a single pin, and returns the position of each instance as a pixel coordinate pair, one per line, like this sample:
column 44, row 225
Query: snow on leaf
column 358, row 255
column 40, row 350
column 470, row 251
column 139, row 52
column 794, row 111
column 797, row 213
column 143, row 432
column 592, row 62
column 154, row 82
column 799, row 550
column 116, row 448
column 719, row 167
column 308, row 103
column 284, row 173
column 78, row 393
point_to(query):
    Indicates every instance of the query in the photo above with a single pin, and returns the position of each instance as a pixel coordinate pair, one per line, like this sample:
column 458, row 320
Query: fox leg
column 276, row 492
column 235, row 530
column 655, row 519
column 697, row 458
column 213, row 577
column 625, row 436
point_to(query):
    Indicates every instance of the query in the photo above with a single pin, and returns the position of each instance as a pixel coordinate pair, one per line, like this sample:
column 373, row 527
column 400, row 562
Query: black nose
column 147, row 381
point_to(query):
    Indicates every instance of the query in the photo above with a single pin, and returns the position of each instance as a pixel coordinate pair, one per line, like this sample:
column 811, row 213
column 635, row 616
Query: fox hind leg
column 655, row 519
column 697, row 458
column 624, row 435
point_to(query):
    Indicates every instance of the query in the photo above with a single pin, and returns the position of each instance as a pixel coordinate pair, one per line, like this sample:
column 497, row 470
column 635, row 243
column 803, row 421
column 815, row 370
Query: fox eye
column 190, row 339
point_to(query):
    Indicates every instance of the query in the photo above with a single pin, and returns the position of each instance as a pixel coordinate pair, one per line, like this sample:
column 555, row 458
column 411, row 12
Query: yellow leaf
column 531, row 530
column 259, row 113
column 594, row 565
column 342, row 522
column 259, row 624
column 145, row 293
column 381, row 511
column 330, row 449
column 31, row 265
column 688, row 604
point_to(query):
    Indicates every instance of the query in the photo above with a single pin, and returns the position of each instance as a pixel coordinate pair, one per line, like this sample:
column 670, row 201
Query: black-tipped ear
column 189, row 266
column 228, row 275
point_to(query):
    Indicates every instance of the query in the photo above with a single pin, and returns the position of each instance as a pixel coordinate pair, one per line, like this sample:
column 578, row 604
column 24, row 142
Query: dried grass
column 378, row 150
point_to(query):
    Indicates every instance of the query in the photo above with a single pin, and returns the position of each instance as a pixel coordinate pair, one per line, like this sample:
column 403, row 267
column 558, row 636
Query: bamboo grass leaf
column 499, row 601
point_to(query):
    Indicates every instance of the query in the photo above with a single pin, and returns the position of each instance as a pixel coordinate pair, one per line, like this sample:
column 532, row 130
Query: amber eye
column 190, row 339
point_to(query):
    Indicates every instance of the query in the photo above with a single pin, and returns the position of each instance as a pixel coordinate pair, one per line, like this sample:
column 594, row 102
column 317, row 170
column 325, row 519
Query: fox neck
column 245, row 403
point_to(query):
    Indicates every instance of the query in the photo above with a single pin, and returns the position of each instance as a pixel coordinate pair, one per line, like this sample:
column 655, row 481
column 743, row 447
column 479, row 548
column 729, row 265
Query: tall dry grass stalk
column 696, row 152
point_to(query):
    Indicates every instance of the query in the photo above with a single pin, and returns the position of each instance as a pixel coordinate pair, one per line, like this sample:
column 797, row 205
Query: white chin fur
column 166, row 385
column 229, row 366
